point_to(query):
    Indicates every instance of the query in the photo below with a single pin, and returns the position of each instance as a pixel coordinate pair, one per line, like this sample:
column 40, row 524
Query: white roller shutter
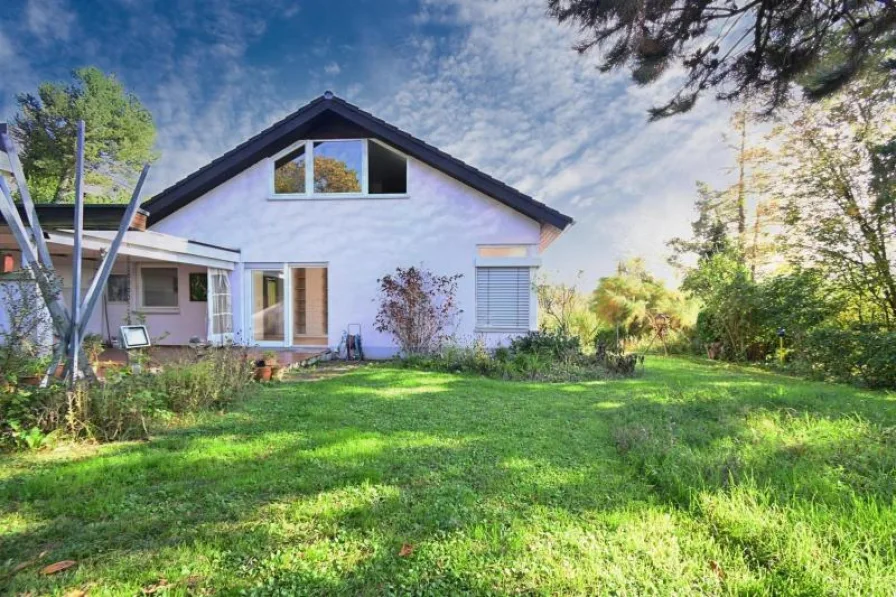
column 503, row 297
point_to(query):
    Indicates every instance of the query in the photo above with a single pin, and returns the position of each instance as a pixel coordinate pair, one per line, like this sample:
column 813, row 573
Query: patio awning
column 151, row 245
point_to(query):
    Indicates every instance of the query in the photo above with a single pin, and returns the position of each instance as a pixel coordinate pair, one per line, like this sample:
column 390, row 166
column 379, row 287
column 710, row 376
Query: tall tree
column 838, row 190
column 752, row 47
column 119, row 137
column 740, row 217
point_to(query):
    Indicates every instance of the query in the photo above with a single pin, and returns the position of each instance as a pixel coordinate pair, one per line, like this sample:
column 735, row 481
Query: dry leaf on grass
column 717, row 568
column 406, row 550
column 58, row 567
column 76, row 593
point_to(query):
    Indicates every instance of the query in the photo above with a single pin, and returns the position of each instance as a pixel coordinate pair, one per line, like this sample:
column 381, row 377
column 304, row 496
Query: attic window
column 337, row 166
column 387, row 171
column 289, row 172
column 352, row 168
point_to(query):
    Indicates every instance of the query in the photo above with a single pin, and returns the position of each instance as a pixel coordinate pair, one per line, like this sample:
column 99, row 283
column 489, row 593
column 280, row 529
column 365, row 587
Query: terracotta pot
column 60, row 369
column 263, row 373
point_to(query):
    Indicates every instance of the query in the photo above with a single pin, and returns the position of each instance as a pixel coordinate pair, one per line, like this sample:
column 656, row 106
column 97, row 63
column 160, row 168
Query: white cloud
column 514, row 99
column 49, row 20
column 332, row 69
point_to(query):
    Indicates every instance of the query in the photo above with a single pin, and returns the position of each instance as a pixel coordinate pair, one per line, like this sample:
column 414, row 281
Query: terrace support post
column 102, row 274
column 76, row 257
column 58, row 313
column 30, row 211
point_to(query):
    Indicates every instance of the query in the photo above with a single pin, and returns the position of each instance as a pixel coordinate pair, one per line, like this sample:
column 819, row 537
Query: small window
column 289, row 173
column 503, row 297
column 118, row 288
column 337, row 166
column 387, row 171
column 159, row 286
column 198, row 287
column 502, row 251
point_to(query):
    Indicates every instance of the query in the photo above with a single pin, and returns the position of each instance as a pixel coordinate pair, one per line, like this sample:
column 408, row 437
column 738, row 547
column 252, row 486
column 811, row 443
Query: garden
column 690, row 478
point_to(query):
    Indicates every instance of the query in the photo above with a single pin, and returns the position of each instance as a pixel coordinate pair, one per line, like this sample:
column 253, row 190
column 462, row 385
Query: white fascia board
column 176, row 250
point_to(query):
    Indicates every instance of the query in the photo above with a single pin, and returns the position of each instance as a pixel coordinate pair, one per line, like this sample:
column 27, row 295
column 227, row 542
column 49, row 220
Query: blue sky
column 493, row 82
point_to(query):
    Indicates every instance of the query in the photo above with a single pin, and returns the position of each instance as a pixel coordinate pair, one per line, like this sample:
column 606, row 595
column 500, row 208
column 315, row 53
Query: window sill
column 337, row 197
column 159, row 310
column 495, row 330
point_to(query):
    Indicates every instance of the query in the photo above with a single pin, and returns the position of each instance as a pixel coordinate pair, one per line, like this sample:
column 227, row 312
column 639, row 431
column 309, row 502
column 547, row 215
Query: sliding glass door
column 268, row 292
column 288, row 306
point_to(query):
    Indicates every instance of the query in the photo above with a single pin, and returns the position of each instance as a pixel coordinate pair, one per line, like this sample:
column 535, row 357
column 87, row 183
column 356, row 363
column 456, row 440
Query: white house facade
column 293, row 229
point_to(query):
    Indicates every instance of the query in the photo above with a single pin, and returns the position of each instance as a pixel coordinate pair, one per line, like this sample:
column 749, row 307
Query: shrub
column 417, row 308
column 218, row 378
column 866, row 357
column 543, row 356
column 124, row 406
column 556, row 345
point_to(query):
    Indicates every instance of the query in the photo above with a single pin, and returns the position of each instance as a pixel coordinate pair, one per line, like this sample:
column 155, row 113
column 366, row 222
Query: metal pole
column 18, row 173
column 102, row 274
column 76, row 257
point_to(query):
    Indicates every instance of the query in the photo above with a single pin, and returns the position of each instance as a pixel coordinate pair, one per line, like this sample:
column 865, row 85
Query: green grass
column 693, row 478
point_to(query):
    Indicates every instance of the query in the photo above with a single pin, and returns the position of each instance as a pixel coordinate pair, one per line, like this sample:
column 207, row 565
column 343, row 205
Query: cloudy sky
column 493, row 82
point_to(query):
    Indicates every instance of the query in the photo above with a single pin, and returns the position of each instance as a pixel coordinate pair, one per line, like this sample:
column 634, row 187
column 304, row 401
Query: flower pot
column 263, row 373
column 276, row 372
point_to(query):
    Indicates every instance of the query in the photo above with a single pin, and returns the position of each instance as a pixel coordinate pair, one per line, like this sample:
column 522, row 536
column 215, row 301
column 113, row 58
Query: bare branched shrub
column 418, row 308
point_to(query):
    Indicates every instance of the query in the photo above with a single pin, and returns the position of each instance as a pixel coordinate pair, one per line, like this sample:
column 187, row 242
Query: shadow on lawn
column 444, row 454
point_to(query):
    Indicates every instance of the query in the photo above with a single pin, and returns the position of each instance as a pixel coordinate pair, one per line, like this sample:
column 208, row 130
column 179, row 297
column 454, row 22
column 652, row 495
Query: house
column 280, row 241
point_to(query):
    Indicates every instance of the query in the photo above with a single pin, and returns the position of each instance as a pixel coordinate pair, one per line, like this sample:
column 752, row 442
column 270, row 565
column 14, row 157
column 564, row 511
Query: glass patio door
column 220, row 310
column 310, row 298
column 267, row 307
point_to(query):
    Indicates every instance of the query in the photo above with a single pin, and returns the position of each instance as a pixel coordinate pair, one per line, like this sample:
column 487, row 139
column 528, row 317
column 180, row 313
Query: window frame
column 141, row 305
column 310, row 195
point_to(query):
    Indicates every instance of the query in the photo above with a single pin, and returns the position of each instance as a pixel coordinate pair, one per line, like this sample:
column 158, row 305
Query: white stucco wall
column 439, row 225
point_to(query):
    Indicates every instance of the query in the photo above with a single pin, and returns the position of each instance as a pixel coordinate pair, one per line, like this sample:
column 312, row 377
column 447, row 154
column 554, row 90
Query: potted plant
column 264, row 367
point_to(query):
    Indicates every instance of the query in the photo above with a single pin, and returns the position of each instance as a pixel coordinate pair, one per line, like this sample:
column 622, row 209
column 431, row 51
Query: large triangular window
column 339, row 168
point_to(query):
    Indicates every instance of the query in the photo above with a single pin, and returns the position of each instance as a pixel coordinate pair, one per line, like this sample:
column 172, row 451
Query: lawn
column 693, row 478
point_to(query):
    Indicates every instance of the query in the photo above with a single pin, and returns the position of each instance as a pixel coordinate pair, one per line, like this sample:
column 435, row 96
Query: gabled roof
column 331, row 114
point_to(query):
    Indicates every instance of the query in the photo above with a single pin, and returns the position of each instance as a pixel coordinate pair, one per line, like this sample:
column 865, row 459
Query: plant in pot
column 264, row 367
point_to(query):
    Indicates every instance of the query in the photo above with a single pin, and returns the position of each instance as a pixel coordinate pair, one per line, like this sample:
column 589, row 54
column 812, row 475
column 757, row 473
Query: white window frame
column 139, row 298
column 310, row 195
column 248, row 323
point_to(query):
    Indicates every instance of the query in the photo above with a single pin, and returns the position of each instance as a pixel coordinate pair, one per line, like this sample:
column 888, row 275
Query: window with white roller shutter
column 503, row 297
